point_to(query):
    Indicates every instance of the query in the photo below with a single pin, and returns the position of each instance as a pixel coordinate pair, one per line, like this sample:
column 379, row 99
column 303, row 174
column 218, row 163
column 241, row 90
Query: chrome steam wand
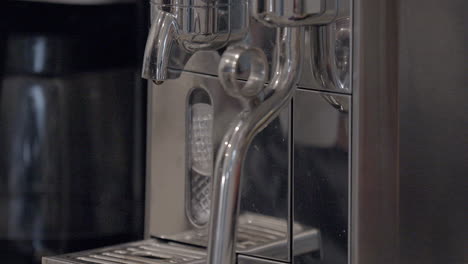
column 289, row 17
column 256, row 115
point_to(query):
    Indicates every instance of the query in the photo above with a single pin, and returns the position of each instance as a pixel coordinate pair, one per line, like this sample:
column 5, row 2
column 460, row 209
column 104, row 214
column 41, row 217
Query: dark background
column 72, row 127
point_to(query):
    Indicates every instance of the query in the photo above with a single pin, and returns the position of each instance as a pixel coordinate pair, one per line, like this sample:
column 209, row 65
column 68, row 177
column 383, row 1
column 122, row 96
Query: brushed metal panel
column 433, row 84
column 374, row 199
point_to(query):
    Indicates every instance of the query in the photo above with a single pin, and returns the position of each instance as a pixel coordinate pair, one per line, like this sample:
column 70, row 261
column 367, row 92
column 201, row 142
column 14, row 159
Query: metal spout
column 180, row 28
column 162, row 50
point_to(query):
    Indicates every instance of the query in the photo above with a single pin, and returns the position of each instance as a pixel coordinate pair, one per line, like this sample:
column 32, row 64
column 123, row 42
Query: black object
column 71, row 135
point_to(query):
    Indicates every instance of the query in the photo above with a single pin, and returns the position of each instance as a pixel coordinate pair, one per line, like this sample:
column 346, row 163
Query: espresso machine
column 274, row 135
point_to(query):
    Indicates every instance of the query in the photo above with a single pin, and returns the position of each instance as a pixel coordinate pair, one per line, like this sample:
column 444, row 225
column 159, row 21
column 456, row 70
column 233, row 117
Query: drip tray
column 149, row 251
column 254, row 231
column 257, row 235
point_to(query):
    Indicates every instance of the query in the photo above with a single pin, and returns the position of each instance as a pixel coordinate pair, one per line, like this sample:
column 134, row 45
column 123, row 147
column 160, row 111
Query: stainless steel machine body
column 322, row 178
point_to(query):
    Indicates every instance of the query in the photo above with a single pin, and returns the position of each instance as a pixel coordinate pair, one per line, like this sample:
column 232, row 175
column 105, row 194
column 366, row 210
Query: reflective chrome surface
column 180, row 28
column 270, row 170
column 226, row 188
column 225, row 203
column 321, row 172
column 327, row 53
column 255, row 117
column 168, row 169
column 330, row 54
column 294, row 13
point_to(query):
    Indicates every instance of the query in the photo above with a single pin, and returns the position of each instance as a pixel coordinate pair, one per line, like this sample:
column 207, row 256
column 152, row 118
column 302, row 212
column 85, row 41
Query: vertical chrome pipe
column 253, row 119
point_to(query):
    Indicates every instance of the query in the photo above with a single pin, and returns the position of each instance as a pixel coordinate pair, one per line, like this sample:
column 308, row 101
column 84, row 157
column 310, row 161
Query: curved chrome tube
column 158, row 46
column 330, row 54
column 253, row 119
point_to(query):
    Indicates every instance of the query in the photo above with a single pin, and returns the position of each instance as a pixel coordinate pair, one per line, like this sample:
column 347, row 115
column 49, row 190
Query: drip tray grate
column 149, row 251
column 257, row 235
column 254, row 231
